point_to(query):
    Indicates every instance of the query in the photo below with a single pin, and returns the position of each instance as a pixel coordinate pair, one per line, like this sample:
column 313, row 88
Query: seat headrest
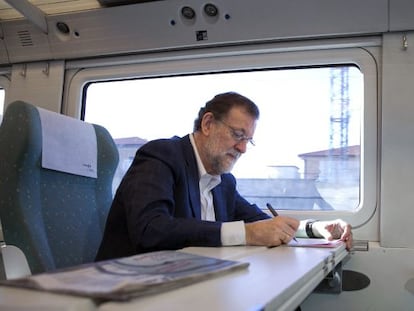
column 68, row 145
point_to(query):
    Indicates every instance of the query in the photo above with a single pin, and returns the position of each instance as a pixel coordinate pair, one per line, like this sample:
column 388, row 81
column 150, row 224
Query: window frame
column 251, row 58
column 4, row 84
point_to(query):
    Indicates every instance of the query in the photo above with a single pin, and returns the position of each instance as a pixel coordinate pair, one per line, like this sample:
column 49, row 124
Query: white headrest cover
column 69, row 145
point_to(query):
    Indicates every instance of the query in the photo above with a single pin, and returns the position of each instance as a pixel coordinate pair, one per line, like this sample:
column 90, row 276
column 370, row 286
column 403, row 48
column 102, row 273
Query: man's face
column 228, row 139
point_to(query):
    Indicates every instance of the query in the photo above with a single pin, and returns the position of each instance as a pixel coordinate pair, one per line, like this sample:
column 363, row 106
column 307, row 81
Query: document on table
column 308, row 242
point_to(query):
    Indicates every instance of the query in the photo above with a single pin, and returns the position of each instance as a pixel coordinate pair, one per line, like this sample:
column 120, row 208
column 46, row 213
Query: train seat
column 56, row 177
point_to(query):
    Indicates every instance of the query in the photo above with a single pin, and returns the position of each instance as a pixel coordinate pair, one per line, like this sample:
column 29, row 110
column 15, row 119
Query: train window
column 308, row 136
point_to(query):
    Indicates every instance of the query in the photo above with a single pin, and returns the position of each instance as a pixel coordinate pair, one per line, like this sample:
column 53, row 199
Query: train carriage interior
column 334, row 84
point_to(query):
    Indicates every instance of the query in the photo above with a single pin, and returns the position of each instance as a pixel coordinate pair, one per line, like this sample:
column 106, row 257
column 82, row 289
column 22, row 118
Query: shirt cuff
column 233, row 233
column 301, row 232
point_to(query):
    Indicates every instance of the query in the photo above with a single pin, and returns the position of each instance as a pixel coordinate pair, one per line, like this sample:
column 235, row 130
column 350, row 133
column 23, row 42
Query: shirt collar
column 201, row 169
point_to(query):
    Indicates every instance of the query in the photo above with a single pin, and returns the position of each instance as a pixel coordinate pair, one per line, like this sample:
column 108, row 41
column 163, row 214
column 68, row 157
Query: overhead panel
column 49, row 7
column 174, row 24
column 25, row 42
column 401, row 15
column 4, row 59
column 166, row 25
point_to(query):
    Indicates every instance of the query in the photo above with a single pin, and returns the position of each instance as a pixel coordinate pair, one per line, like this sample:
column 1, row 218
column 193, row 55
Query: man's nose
column 241, row 146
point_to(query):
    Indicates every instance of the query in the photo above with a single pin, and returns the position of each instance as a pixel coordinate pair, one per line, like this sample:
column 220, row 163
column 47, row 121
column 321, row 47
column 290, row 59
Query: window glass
column 307, row 139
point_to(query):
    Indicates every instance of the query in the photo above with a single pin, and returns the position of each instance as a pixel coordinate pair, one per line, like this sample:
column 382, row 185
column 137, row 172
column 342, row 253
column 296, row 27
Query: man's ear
column 206, row 122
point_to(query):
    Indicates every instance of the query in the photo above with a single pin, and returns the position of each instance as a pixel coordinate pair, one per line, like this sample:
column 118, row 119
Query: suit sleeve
column 157, row 206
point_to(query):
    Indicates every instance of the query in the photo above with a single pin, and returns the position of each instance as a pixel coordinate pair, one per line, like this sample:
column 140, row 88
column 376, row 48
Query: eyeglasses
column 238, row 135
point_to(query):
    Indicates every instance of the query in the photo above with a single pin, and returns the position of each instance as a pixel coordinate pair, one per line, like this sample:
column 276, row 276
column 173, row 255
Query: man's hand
column 271, row 232
column 333, row 230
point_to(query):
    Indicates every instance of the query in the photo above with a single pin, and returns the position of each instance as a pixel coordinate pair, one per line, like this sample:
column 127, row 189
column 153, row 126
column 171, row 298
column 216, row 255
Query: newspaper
column 130, row 277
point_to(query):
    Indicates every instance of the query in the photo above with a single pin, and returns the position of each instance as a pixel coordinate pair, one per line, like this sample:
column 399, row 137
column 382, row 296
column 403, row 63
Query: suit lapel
column 219, row 205
column 192, row 177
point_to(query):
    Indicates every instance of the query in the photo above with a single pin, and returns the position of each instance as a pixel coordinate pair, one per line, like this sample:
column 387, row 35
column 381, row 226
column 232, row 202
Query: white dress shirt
column 232, row 233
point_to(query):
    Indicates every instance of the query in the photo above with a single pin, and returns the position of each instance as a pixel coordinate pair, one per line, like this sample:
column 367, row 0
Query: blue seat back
column 55, row 218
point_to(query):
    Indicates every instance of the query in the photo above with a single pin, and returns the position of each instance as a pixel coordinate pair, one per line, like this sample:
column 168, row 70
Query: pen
column 274, row 213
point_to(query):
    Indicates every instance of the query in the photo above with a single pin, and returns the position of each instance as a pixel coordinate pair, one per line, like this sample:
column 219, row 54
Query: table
column 277, row 278
column 17, row 299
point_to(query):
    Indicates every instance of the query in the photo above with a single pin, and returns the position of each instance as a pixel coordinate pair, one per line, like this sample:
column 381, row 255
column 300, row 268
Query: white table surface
column 278, row 278
column 17, row 299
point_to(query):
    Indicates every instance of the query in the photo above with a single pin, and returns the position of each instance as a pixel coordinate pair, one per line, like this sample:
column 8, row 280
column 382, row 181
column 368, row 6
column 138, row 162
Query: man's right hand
column 271, row 232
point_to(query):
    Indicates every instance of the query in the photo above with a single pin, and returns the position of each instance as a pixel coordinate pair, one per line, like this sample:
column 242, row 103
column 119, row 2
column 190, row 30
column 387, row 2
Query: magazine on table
column 129, row 277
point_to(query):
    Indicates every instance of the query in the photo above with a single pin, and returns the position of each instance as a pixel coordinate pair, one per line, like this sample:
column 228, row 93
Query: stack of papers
column 306, row 242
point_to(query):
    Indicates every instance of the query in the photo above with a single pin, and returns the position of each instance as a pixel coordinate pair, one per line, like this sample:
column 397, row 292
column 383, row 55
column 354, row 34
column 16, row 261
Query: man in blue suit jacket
column 179, row 192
